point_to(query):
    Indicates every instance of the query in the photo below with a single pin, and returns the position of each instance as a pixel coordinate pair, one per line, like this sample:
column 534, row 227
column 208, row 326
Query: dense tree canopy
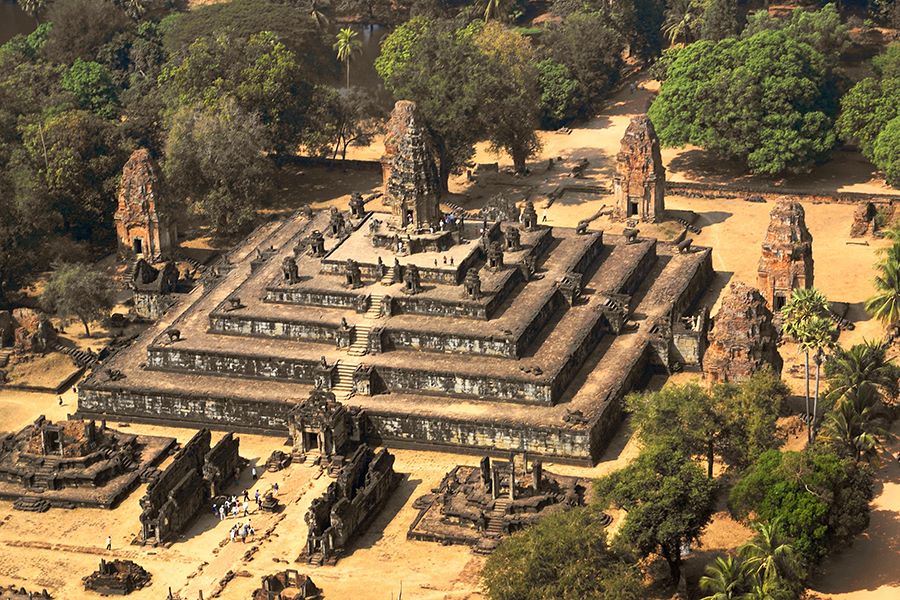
column 77, row 291
column 668, row 500
column 565, row 557
column 768, row 100
column 820, row 499
column 870, row 114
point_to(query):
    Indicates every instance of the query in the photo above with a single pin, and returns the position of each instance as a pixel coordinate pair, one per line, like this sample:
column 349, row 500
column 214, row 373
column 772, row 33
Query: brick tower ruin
column 411, row 184
column 743, row 338
column 142, row 231
column 640, row 179
column 787, row 261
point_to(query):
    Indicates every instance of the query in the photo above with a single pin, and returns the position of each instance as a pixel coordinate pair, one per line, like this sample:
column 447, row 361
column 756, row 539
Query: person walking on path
column 109, row 542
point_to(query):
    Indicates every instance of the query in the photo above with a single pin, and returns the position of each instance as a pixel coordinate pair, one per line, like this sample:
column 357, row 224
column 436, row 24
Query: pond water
column 13, row 21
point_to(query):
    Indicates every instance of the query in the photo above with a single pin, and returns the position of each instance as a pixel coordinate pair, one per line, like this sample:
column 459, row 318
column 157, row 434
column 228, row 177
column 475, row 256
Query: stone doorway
column 138, row 246
column 311, row 440
column 632, row 207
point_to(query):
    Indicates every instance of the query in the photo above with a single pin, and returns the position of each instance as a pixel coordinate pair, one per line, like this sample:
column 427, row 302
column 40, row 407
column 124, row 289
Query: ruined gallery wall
column 312, row 297
column 183, row 503
column 412, row 381
column 379, row 481
column 442, row 342
column 277, row 328
column 213, row 363
column 188, row 459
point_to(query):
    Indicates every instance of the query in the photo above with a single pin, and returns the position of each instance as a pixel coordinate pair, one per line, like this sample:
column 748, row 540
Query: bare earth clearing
column 56, row 549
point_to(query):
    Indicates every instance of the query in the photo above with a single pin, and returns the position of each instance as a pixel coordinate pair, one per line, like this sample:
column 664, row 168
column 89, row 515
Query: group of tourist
column 235, row 506
column 242, row 531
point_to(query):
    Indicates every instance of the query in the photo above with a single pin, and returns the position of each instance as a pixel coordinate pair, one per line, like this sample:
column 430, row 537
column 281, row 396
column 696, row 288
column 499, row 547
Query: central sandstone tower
column 640, row 179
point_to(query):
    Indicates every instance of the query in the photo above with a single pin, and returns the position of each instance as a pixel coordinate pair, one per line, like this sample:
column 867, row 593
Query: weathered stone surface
column 141, row 227
column 197, row 474
column 787, row 260
column 640, row 178
column 743, row 338
column 478, row 506
column 31, row 330
column 12, row 592
column 411, row 184
column 287, row 585
column 117, row 577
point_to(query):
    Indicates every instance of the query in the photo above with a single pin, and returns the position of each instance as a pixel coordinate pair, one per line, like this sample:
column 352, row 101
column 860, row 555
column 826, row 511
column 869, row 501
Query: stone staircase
column 495, row 517
column 360, row 345
column 128, row 276
column 343, row 387
column 5, row 354
column 388, row 278
column 81, row 358
column 317, row 559
column 42, row 477
column 376, row 306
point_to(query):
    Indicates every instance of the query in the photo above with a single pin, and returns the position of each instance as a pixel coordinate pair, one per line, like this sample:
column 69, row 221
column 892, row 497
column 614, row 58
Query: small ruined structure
column 324, row 431
column 743, row 337
column 868, row 219
column 143, row 229
column 117, row 578
column 287, row 585
column 787, row 260
column 640, row 179
column 152, row 288
column 478, row 506
column 12, row 592
column 196, row 475
column 411, row 184
column 26, row 331
column 75, row 462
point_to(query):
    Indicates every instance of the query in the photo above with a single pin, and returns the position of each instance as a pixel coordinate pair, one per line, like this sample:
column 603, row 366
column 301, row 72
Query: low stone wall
column 248, row 325
column 312, row 297
column 742, row 192
column 410, row 381
column 214, row 363
column 422, row 305
column 432, row 341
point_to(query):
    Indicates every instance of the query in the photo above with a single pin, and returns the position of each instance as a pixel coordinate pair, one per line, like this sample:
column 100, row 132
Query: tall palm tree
column 862, row 364
column 724, row 579
column 770, row 557
column 803, row 305
column 682, row 17
column 853, row 425
column 346, row 46
column 33, row 8
column 818, row 335
column 885, row 304
column 318, row 12
column 494, row 9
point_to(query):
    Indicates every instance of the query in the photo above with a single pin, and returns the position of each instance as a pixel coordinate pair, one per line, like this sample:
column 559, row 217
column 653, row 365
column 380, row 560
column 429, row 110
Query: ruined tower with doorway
column 640, row 178
column 787, row 260
column 142, row 229
column 411, row 183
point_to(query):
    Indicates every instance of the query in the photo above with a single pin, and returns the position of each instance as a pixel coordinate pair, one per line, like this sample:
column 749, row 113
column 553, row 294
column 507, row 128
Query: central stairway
column 343, row 387
column 389, row 275
column 360, row 345
column 376, row 306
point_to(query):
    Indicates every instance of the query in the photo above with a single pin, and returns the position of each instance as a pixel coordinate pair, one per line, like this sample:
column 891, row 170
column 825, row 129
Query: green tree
column 438, row 66
column 77, row 156
column 343, row 117
column 886, row 152
column 770, row 557
column 817, row 335
column 865, row 364
column 668, row 500
column 822, row 29
column 216, row 161
column 724, row 579
column 819, row 499
column 511, row 74
column 78, row 291
column 804, row 306
column 682, row 20
column 92, row 85
column 854, row 426
column 561, row 98
column 346, row 46
column 591, row 50
column 81, row 28
column 536, row 563
column 885, row 304
column 260, row 73
column 767, row 100
column 718, row 20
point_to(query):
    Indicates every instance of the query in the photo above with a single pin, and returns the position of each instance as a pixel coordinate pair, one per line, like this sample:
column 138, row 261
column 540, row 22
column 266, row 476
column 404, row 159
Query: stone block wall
column 412, row 381
column 312, row 297
column 235, row 324
column 221, row 464
column 213, row 363
column 440, row 342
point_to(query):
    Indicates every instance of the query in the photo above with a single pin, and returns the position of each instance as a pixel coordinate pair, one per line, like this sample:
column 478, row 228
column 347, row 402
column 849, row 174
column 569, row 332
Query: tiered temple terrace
column 528, row 363
column 486, row 337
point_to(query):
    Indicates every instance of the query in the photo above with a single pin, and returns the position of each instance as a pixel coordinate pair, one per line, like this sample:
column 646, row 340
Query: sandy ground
column 56, row 549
